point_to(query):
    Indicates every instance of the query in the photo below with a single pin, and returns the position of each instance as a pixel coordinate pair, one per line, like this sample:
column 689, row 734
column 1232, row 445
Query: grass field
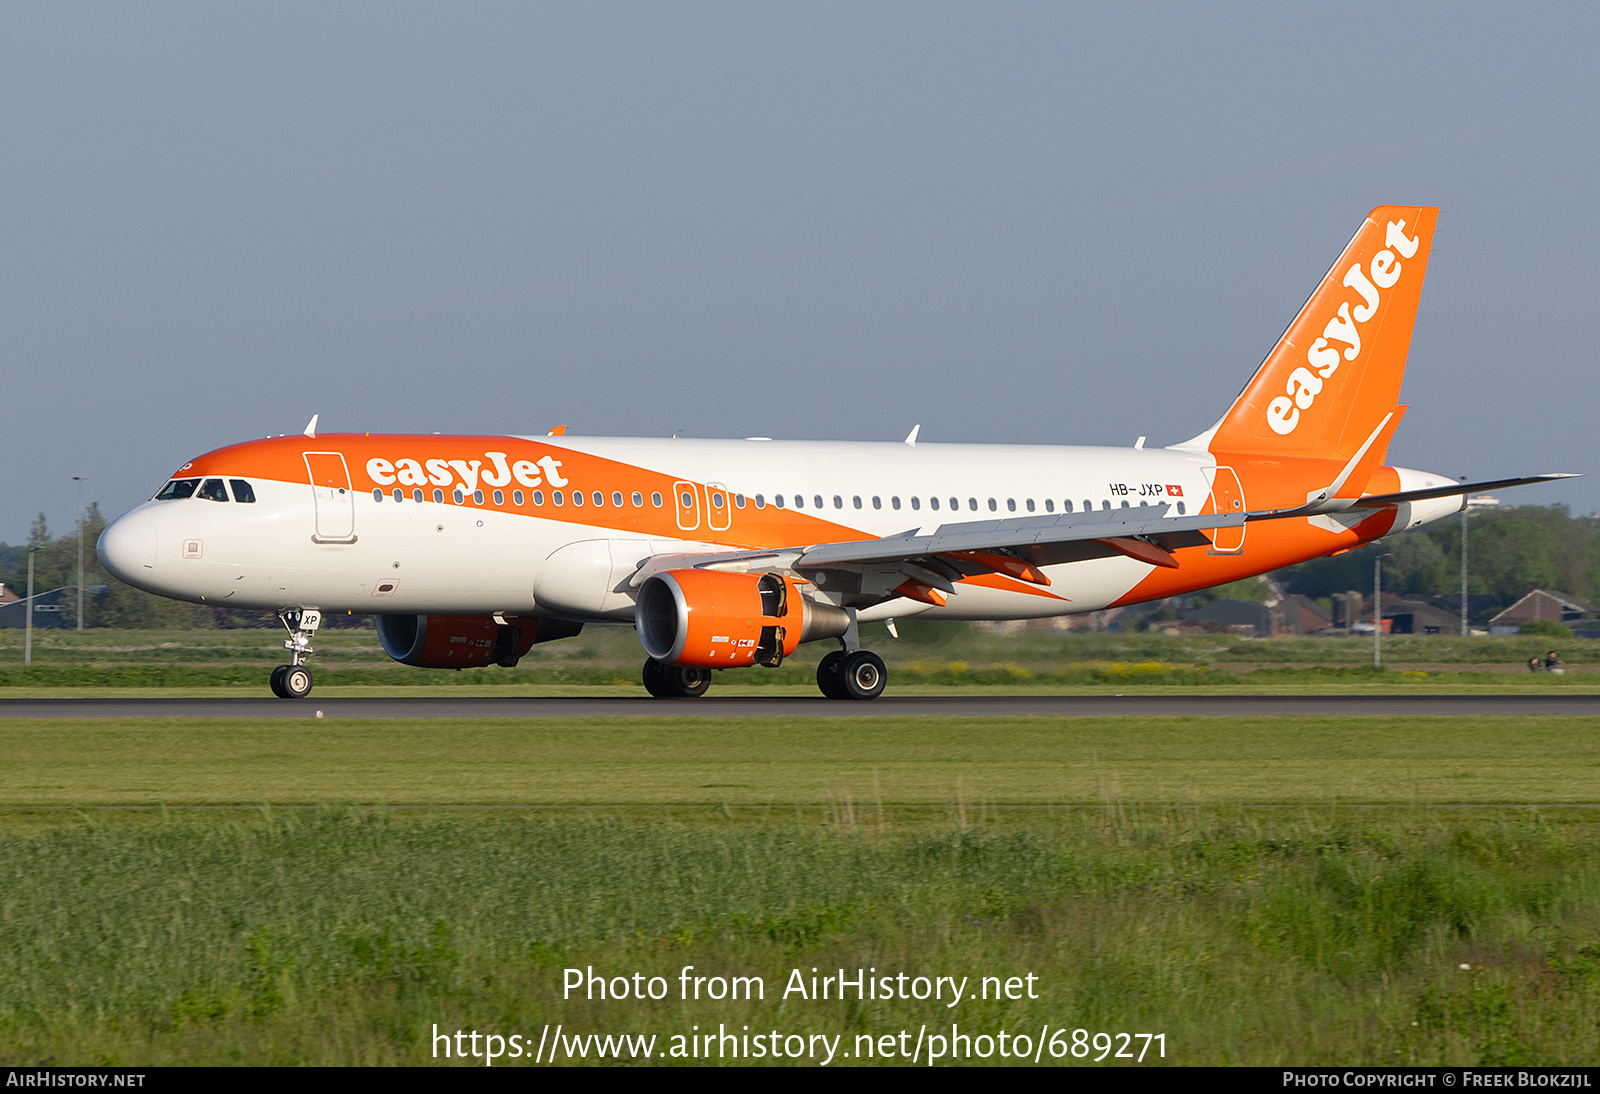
column 627, row 762
column 945, row 654
column 1219, row 881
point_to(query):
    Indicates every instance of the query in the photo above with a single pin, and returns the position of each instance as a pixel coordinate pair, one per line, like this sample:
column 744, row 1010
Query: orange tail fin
column 1335, row 374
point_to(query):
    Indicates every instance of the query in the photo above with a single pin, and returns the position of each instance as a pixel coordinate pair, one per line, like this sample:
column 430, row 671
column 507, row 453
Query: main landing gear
column 675, row 681
column 293, row 681
column 852, row 674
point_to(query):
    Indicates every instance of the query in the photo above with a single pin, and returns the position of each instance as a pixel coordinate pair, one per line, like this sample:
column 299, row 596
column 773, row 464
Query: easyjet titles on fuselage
column 495, row 469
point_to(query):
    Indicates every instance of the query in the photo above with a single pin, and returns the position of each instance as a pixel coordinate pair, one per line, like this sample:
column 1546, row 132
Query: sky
column 1041, row 223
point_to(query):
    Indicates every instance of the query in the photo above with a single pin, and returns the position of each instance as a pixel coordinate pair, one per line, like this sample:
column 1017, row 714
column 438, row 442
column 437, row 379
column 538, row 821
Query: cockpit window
column 178, row 488
column 242, row 491
column 213, row 490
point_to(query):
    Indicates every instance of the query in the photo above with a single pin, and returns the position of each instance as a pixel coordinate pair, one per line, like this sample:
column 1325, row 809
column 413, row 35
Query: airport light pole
column 1468, row 504
column 1377, row 609
column 79, row 479
column 27, row 630
column 1466, row 631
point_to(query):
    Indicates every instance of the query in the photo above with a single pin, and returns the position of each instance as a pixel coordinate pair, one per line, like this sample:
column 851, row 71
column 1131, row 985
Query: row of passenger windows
column 719, row 500
column 209, row 490
column 557, row 497
column 1028, row 504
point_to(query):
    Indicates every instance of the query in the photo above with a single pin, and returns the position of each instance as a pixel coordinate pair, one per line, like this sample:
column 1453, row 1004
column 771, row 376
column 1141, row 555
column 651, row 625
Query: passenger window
column 555, row 496
column 916, row 503
column 538, row 497
column 177, row 490
column 438, row 496
column 686, row 500
column 477, row 497
column 1124, row 505
column 599, row 498
column 717, row 500
column 655, row 499
column 738, row 501
column 877, row 502
column 778, row 501
column 761, row 501
column 1105, row 505
column 377, row 493
column 799, row 501
column 457, row 496
column 213, row 490
column 972, row 503
column 616, row 498
column 638, row 500
column 1087, row 505
column 838, row 502
column 933, row 503
column 818, row 499
column 955, row 503
column 1030, row 505
column 399, row 494
column 1066, row 506
column 416, row 495
column 993, row 506
column 577, row 497
column 516, row 497
column 894, row 502
column 1180, row 508
column 243, row 493
column 499, row 497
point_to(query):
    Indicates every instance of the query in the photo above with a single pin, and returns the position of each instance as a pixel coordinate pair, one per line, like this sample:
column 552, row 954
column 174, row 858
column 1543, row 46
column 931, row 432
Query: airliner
column 727, row 554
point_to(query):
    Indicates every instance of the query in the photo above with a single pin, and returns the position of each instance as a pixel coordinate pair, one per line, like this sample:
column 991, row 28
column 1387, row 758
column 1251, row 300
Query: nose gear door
column 336, row 505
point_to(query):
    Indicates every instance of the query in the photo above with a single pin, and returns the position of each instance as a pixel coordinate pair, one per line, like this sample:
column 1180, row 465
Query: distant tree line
column 1510, row 552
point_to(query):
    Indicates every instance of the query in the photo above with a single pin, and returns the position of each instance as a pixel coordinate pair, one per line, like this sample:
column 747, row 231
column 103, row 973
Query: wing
column 925, row 567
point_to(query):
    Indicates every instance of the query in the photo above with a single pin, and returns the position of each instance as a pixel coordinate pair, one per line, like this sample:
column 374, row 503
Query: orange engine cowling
column 719, row 619
column 466, row 641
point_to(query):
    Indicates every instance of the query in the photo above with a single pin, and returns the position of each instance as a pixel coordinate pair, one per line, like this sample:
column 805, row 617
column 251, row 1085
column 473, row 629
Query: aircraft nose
column 127, row 548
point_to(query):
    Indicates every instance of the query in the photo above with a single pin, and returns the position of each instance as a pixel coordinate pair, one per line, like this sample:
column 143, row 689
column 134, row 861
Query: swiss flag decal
column 1174, row 491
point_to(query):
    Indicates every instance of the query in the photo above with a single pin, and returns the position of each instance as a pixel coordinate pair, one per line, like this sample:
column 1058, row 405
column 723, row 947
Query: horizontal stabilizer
column 1459, row 488
column 1378, row 501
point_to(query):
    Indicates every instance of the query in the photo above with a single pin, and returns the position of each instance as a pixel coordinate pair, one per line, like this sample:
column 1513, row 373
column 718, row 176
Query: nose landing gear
column 293, row 681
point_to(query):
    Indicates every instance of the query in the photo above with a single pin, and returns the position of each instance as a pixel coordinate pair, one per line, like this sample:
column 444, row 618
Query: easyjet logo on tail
column 1341, row 338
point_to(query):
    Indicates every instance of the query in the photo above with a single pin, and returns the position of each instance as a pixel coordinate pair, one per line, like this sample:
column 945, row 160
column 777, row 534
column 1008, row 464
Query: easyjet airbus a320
column 728, row 554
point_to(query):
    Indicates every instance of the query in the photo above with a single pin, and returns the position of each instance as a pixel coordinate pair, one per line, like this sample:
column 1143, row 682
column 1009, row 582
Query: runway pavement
column 712, row 706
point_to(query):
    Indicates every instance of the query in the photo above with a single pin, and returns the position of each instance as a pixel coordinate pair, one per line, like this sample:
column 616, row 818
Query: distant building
column 52, row 609
column 1240, row 616
column 1301, row 615
column 1541, row 604
column 1418, row 617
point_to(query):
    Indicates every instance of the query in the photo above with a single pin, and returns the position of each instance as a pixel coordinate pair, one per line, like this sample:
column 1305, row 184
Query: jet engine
column 720, row 619
column 466, row 641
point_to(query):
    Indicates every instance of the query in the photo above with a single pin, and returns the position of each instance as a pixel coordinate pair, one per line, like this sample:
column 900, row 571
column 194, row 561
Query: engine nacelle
column 466, row 641
column 720, row 619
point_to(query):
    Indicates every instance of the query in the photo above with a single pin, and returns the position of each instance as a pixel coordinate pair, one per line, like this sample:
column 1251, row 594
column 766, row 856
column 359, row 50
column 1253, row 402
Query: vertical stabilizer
column 1327, row 386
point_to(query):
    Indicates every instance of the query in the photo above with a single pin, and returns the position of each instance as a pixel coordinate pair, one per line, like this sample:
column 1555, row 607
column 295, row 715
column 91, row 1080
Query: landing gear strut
column 293, row 681
column 666, row 681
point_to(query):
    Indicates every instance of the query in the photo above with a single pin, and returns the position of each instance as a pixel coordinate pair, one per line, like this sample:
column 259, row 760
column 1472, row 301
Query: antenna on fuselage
column 911, row 438
column 311, row 426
